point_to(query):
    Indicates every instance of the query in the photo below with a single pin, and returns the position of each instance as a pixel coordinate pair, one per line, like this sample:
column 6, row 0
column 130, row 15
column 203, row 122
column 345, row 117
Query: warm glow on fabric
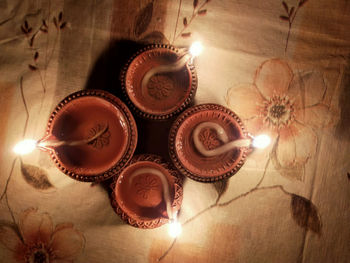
column 261, row 141
column 25, row 147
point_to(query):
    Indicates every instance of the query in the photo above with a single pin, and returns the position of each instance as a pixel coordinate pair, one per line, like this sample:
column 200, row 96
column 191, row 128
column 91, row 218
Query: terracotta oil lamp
column 148, row 192
column 159, row 81
column 209, row 142
column 91, row 135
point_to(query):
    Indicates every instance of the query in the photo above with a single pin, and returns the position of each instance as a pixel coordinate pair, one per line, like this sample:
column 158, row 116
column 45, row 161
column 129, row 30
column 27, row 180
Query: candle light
column 260, row 141
column 29, row 145
column 195, row 49
column 25, row 146
column 174, row 227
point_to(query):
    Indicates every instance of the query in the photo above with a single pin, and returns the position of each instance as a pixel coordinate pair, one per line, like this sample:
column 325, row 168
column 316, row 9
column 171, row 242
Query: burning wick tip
column 25, row 146
column 196, row 49
column 261, row 141
column 174, row 228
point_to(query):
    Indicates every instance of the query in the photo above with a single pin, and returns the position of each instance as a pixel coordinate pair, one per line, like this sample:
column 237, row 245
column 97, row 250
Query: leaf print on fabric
column 31, row 35
column 220, row 187
column 186, row 21
column 202, row 12
column 26, row 29
column 305, row 214
column 35, row 176
column 185, row 35
column 31, row 67
column 143, row 19
column 59, row 23
column 290, row 16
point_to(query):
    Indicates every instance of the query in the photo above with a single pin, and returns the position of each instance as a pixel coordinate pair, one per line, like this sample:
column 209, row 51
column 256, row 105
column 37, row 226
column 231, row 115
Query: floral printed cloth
column 281, row 66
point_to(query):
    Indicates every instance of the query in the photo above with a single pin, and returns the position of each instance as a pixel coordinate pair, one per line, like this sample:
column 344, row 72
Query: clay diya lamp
column 159, row 82
column 91, row 135
column 148, row 192
column 208, row 143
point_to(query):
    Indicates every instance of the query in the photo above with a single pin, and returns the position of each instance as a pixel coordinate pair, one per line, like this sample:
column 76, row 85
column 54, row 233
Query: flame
column 196, row 49
column 25, row 147
column 174, row 228
column 261, row 141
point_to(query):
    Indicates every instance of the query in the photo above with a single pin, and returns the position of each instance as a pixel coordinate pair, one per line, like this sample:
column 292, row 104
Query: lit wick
column 174, row 227
column 29, row 145
column 260, row 141
column 165, row 184
column 25, row 146
column 195, row 49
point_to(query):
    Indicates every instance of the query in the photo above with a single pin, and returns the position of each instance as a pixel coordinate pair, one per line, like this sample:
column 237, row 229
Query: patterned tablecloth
column 288, row 203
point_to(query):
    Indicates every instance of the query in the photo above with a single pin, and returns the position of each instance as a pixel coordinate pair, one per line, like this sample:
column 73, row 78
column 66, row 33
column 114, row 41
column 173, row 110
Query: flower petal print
column 286, row 106
column 37, row 241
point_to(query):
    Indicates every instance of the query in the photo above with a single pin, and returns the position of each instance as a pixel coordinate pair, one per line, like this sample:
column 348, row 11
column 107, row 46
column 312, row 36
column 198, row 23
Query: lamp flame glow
column 196, row 49
column 261, row 141
column 25, row 147
column 174, row 228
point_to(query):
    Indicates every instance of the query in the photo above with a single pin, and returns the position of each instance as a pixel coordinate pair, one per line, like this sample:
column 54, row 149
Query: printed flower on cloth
column 36, row 241
column 288, row 107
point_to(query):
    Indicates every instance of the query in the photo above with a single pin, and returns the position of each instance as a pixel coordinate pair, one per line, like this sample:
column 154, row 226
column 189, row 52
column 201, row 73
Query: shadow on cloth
column 105, row 75
column 343, row 126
